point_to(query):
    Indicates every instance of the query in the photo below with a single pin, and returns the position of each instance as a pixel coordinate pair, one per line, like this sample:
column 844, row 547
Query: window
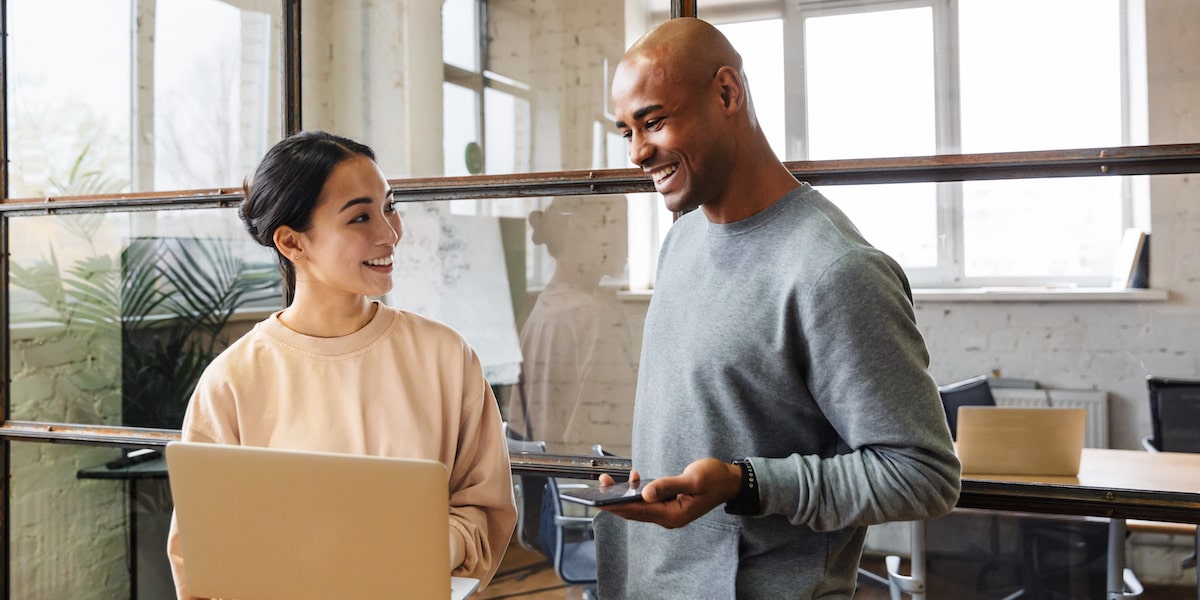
column 199, row 76
column 915, row 78
column 485, row 114
column 938, row 77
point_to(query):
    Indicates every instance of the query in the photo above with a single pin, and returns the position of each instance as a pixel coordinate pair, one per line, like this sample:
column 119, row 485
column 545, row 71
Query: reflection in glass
column 216, row 101
column 508, row 132
column 460, row 130
column 68, row 81
column 80, row 530
column 558, row 326
column 579, row 360
column 460, row 33
column 114, row 316
column 199, row 77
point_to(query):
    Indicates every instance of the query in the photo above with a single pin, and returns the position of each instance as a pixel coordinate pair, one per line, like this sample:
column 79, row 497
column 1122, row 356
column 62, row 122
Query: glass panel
column 216, row 103
column 900, row 219
column 761, row 45
column 1042, row 227
column 114, row 316
column 507, row 147
column 460, row 34
column 870, row 87
column 68, row 97
column 571, row 340
column 460, row 138
column 81, row 530
column 203, row 86
column 1059, row 88
column 388, row 95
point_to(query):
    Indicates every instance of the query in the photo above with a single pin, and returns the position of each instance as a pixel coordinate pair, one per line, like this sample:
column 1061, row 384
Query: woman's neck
column 326, row 317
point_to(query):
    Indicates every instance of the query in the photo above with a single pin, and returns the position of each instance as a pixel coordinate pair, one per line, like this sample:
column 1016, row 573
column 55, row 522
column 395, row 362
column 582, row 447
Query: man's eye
column 628, row 135
column 654, row 124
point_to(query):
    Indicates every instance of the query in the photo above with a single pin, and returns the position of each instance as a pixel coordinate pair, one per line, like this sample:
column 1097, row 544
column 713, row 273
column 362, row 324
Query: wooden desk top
column 1130, row 484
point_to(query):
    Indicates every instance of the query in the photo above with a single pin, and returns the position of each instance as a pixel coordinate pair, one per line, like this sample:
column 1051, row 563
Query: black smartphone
column 605, row 495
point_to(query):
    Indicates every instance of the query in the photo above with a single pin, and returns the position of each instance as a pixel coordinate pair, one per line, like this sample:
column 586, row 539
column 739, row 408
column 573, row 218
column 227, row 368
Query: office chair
column 543, row 526
column 1175, row 423
column 1174, row 414
column 969, row 392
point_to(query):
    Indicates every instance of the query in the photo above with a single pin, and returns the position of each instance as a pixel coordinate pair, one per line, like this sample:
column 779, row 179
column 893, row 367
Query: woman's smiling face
column 353, row 233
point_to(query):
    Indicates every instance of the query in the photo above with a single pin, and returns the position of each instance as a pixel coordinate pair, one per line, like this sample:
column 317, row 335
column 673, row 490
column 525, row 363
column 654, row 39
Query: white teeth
column 663, row 173
column 380, row 262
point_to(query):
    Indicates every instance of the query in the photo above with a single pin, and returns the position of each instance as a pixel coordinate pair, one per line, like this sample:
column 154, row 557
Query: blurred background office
column 140, row 118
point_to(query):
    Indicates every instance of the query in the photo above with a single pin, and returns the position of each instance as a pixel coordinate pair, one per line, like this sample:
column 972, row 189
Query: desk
column 1117, row 484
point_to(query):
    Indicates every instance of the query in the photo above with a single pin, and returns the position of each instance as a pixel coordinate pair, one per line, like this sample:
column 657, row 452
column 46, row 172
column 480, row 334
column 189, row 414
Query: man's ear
column 733, row 89
column 287, row 240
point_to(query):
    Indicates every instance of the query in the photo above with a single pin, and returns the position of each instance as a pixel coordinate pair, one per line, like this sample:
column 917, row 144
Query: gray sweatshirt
column 787, row 339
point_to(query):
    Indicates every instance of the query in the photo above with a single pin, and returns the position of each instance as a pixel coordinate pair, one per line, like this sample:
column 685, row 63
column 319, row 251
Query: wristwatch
column 746, row 502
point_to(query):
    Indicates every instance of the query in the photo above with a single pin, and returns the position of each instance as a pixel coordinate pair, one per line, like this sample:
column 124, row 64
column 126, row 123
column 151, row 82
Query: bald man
column 782, row 372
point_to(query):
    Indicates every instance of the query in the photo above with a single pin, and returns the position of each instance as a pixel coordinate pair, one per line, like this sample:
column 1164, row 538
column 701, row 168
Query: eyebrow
column 639, row 113
column 354, row 202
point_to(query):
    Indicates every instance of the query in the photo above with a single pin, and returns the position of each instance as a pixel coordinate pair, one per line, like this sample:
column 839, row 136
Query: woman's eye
column 389, row 207
column 363, row 218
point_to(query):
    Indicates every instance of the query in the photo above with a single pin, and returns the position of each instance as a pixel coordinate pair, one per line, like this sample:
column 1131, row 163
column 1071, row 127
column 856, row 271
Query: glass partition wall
column 126, row 268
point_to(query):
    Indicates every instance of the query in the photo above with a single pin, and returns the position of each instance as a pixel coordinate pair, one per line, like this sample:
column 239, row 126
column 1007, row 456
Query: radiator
column 1094, row 402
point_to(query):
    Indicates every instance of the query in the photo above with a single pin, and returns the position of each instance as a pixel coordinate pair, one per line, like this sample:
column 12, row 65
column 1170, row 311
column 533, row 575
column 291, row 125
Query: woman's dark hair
column 286, row 186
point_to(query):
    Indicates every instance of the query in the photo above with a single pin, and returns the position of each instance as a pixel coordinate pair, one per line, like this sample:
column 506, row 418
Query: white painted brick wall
column 68, row 536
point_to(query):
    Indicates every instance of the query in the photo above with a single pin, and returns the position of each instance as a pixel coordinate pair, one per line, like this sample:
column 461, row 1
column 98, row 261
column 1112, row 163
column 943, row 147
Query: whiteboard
column 451, row 267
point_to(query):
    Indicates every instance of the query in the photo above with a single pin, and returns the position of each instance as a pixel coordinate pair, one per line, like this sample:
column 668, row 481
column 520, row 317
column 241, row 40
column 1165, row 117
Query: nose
column 640, row 149
column 392, row 230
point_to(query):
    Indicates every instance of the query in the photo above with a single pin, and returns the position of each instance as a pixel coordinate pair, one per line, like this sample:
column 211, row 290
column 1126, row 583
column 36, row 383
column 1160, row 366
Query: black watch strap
column 747, row 501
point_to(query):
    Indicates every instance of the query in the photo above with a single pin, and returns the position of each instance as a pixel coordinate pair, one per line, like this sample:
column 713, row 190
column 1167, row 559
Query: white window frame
column 949, row 271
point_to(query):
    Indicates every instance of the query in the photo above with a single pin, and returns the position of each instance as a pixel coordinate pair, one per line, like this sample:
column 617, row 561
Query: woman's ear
column 287, row 240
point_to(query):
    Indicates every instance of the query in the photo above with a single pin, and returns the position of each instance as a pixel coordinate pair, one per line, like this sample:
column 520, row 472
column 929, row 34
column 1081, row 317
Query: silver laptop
column 257, row 523
column 995, row 440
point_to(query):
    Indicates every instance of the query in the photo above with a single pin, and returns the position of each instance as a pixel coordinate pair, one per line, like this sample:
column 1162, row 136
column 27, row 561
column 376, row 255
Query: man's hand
column 676, row 501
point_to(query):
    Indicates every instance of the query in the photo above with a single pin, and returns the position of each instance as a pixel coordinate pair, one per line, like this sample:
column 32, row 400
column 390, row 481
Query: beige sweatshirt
column 403, row 385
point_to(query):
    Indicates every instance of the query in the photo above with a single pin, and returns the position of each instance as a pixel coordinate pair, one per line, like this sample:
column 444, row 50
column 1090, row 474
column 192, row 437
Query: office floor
column 526, row 575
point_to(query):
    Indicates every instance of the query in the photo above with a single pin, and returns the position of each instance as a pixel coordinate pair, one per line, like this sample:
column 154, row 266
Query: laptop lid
column 258, row 523
column 995, row 440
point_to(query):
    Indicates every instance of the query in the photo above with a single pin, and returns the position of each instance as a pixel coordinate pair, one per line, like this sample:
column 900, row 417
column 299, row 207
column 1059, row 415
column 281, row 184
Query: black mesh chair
column 1175, row 422
column 1174, row 414
column 544, row 527
column 969, row 392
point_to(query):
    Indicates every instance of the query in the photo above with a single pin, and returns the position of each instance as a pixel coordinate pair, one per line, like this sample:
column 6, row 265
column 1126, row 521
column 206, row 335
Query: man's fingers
column 606, row 479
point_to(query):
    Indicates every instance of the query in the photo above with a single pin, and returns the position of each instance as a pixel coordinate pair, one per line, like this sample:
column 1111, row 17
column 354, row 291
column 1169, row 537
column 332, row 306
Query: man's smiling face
column 672, row 127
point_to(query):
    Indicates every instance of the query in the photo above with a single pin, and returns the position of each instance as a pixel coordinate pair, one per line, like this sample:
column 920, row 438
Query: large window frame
column 951, row 235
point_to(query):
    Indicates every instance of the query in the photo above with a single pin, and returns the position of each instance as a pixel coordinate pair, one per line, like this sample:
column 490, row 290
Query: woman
column 336, row 371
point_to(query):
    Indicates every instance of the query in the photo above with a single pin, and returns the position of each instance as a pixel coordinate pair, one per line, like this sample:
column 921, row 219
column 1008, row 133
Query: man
column 777, row 337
